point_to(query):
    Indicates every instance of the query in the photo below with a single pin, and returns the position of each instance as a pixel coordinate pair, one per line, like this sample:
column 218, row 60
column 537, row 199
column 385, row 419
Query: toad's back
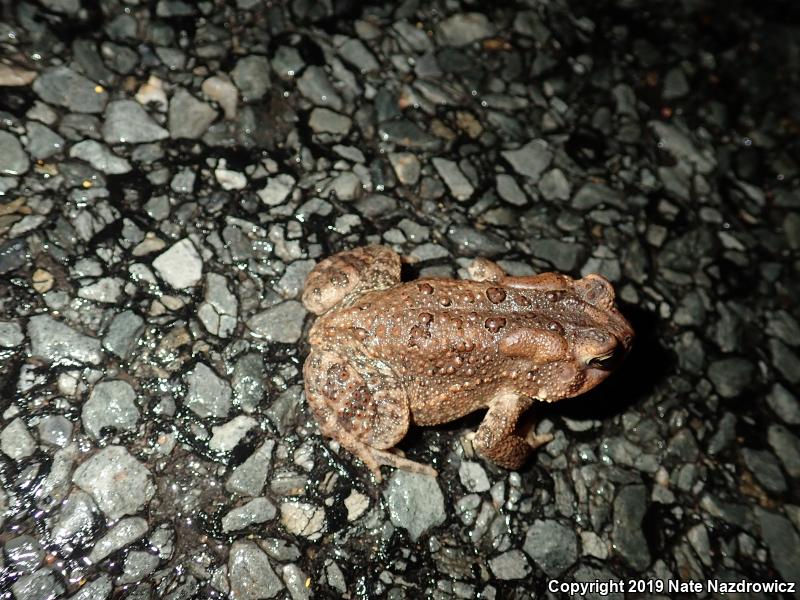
column 441, row 338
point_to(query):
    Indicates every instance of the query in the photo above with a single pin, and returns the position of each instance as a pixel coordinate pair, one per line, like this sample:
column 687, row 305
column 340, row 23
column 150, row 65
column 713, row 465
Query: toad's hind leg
column 498, row 438
column 366, row 414
column 350, row 272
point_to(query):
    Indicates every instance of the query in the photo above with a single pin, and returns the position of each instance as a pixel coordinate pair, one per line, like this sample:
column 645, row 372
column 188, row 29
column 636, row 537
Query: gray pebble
column 675, row 84
column 258, row 510
column 55, row 430
column 784, row 404
column 227, row 436
column 350, row 153
column 118, row 483
column 100, row 157
column 724, row 435
column 69, row 7
column 107, row 290
column 16, row 442
column 23, row 553
column 531, row 159
column 138, row 565
column 277, row 189
column 13, row 160
column 782, row 325
column 677, row 142
column 785, row 361
column 463, row 29
column 295, row 581
column 459, row 186
column 110, row 404
column 357, row 54
column 219, row 310
column 64, row 87
column 629, row 541
column 122, row 534
column 43, row 142
column 123, row 334
column 251, row 76
column 183, row 181
column 188, row 116
column 180, row 265
column 291, row 282
column 783, row 543
column 473, row 242
column 96, row 589
column 406, row 167
column 317, row 88
column 509, row 190
column 287, row 62
column 473, row 476
column 75, row 518
column 554, row 185
column 552, row 546
column 787, row 447
column 11, row 334
column 174, row 8
column 87, row 56
column 413, row 36
column 56, row 485
column 126, row 122
column 248, row 381
column 39, row 585
column 119, row 58
column 683, row 446
column 592, row 195
column 284, row 409
column 208, row 395
column 415, row 502
column 409, row 135
column 564, row 256
column 324, row 120
column 249, row 477
column 222, row 90
column 510, row 565
column 691, row 310
column 345, row 186
column 731, row 376
column 281, row 323
column 250, row 572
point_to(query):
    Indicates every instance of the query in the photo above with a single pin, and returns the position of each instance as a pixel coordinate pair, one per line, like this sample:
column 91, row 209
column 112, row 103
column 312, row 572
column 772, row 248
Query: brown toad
column 386, row 354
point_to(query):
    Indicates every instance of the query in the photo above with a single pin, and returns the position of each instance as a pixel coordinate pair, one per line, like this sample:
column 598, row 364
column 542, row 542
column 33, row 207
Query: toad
column 387, row 354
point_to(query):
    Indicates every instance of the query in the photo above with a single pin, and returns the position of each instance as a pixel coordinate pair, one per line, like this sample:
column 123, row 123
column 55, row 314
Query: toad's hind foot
column 374, row 459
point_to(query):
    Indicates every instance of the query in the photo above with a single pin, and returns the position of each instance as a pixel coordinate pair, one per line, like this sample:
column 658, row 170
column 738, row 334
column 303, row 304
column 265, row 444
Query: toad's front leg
column 499, row 438
column 360, row 407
